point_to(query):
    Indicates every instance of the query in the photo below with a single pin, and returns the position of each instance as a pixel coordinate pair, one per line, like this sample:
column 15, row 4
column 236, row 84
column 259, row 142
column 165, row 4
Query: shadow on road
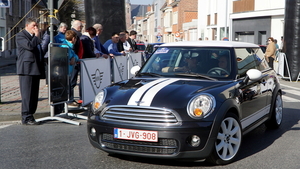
column 261, row 138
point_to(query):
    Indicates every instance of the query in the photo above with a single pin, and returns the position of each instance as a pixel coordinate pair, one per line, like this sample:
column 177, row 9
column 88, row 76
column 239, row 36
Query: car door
column 254, row 94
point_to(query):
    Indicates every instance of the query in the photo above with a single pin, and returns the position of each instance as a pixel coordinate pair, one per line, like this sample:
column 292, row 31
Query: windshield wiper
column 149, row 74
column 195, row 75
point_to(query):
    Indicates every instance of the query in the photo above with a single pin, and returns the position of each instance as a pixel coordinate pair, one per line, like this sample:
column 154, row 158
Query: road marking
column 289, row 99
column 294, row 92
column 3, row 126
column 295, row 88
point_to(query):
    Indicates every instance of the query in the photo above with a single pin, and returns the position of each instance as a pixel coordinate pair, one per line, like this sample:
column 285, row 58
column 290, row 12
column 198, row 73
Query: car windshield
column 191, row 62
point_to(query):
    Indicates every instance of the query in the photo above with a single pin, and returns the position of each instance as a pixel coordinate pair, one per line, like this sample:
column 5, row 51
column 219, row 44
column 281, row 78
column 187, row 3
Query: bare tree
column 71, row 10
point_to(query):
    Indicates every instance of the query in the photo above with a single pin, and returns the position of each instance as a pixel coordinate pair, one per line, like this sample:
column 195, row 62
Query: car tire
column 228, row 141
column 277, row 113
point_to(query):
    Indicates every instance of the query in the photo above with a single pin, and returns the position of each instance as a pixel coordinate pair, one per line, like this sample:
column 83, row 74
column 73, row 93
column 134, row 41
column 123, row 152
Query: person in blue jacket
column 70, row 39
column 60, row 37
column 112, row 46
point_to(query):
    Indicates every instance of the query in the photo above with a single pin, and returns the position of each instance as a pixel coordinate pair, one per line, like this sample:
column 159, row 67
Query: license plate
column 136, row 135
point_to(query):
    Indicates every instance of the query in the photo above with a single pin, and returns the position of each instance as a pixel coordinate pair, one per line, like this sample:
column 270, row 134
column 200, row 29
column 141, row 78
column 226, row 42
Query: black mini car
column 190, row 100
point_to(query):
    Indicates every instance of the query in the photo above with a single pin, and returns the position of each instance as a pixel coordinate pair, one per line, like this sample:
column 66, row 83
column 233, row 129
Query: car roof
column 209, row 44
column 155, row 43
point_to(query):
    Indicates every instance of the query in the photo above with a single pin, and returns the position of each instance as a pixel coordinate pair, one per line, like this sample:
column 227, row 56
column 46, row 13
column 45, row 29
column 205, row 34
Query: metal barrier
column 58, row 67
column 281, row 62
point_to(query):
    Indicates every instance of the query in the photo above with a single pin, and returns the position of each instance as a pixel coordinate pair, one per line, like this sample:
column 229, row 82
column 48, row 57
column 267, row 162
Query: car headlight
column 99, row 99
column 201, row 106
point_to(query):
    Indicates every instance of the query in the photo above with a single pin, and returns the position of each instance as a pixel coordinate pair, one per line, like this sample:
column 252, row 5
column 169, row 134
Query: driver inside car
column 223, row 63
column 223, row 68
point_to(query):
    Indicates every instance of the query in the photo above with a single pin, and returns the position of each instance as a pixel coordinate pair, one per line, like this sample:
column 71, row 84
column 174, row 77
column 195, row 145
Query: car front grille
column 141, row 115
column 163, row 146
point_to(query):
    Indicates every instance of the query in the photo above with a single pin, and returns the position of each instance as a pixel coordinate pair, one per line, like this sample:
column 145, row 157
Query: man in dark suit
column 30, row 68
column 131, row 41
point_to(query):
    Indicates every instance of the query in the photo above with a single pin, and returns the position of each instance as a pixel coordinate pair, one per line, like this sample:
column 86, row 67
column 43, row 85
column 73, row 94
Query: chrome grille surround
column 141, row 115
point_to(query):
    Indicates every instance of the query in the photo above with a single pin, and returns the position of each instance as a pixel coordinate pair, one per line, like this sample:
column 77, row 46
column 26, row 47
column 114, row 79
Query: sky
column 141, row 2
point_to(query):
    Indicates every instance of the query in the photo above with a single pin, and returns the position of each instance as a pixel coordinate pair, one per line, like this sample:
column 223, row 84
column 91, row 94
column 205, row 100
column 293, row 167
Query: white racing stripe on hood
column 136, row 96
column 148, row 97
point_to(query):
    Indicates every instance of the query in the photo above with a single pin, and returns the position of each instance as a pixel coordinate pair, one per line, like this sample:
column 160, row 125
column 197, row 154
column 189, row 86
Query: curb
column 11, row 64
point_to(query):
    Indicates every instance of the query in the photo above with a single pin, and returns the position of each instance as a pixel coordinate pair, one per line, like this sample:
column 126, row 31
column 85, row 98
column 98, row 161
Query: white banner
column 120, row 68
column 280, row 59
column 134, row 60
column 95, row 75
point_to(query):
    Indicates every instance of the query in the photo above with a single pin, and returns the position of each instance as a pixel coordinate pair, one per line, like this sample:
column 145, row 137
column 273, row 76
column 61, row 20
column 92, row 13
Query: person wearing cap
column 191, row 63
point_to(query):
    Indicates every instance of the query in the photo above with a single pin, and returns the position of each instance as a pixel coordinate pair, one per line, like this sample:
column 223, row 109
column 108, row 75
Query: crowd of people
column 32, row 60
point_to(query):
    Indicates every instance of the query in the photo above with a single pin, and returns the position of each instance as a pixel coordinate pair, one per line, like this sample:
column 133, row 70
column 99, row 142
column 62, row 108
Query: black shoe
column 32, row 122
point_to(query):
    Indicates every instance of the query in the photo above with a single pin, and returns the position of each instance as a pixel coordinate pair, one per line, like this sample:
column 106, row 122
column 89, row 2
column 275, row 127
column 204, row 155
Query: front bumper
column 173, row 141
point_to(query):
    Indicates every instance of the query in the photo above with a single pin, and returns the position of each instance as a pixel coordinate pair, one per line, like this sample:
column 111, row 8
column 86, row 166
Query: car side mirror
column 251, row 74
column 254, row 74
column 134, row 70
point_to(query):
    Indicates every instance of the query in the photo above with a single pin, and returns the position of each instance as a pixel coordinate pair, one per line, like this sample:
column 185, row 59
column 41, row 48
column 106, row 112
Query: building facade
column 238, row 20
column 12, row 20
column 256, row 20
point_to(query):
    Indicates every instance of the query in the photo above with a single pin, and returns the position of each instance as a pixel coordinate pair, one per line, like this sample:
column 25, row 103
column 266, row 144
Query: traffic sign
column 177, row 34
column 4, row 3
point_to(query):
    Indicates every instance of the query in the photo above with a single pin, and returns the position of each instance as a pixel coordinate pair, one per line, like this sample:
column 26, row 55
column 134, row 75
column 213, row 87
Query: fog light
column 93, row 132
column 195, row 141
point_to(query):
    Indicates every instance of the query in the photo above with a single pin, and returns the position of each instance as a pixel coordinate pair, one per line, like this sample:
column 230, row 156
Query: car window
column 141, row 47
column 249, row 58
column 149, row 48
column 263, row 65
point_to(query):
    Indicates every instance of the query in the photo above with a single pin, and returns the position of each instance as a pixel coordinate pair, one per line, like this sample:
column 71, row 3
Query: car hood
column 161, row 92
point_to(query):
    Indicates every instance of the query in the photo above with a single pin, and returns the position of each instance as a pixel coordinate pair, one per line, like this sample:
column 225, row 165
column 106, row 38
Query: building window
column 175, row 18
column 20, row 8
column 156, row 10
column 216, row 19
column 208, row 20
column 28, row 7
column 155, row 25
column 2, row 31
column 168, row 20
column 10, row 11
column 2, row 13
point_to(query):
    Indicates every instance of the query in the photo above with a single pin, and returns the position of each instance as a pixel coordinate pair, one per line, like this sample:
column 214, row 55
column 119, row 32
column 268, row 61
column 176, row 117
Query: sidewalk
column 10, row 102
column 10, row 99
